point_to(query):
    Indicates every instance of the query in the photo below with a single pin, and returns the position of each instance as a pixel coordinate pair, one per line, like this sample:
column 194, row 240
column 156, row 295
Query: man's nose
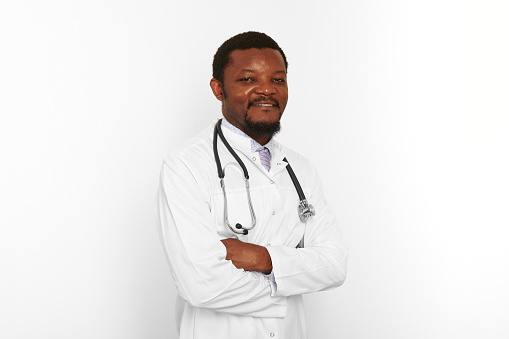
column 266, row 87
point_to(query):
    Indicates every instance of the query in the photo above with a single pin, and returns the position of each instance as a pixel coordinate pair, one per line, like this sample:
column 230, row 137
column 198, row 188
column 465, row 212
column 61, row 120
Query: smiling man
column 253, row 91
column 235, row 209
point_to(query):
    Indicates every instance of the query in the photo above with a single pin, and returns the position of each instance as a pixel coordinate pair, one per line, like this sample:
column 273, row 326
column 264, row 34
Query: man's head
column 249, row 72
column 241, row 41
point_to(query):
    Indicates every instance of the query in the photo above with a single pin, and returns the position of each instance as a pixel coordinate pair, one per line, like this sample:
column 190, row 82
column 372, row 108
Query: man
column 245, row 284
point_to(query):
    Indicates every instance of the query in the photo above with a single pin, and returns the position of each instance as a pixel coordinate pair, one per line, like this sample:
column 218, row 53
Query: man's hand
column 249, row 257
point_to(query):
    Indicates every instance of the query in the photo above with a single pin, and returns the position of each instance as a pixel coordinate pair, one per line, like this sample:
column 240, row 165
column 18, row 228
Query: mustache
column 271, row 100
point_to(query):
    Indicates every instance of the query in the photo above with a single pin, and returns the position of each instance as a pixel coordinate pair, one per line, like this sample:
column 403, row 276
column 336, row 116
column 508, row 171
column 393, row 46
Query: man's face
column 254, row 90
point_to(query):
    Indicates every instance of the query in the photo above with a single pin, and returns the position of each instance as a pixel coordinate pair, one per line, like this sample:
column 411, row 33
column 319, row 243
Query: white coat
column 215, row 299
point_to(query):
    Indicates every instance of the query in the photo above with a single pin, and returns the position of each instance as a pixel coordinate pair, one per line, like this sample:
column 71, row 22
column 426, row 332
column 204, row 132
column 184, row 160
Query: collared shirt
column 215, row 299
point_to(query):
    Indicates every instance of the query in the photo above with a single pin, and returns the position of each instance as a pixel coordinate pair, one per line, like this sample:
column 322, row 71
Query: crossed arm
column 206, row 280
column 249, row 257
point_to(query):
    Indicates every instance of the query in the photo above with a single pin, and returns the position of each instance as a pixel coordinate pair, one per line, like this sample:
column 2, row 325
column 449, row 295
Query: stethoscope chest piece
column 306, row 210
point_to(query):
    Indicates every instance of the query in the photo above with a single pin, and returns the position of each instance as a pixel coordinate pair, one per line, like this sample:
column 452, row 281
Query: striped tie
column 265, row 157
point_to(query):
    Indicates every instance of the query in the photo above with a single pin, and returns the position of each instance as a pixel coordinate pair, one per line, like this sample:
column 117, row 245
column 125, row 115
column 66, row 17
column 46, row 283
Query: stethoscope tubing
column 220, row 171
column 296, row 183
column 305, row 209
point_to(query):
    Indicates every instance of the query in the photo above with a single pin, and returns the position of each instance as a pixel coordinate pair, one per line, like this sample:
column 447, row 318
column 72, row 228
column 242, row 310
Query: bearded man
column 245, row 238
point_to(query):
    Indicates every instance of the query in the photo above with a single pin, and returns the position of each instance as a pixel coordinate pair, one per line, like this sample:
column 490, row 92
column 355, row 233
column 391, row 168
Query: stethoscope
column 305, row 209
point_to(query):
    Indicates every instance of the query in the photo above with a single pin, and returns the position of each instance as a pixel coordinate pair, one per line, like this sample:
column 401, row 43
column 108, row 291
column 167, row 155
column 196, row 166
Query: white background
column 401, row 105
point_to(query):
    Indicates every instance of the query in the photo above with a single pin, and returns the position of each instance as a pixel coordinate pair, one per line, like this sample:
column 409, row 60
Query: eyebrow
column 252, row 71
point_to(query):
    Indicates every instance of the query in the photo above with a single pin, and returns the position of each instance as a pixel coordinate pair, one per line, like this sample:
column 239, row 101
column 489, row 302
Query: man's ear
column 217, row 89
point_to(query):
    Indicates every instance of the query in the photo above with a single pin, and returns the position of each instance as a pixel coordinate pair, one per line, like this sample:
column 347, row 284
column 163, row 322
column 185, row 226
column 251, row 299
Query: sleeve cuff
column 271, row 276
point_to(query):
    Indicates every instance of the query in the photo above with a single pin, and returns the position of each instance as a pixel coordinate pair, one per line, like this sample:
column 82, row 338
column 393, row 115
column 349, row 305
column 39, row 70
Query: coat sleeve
column 196, row 255
column 321, row 264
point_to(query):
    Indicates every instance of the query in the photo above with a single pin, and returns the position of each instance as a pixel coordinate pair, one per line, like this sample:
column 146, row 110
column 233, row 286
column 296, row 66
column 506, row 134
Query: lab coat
column 215, row 299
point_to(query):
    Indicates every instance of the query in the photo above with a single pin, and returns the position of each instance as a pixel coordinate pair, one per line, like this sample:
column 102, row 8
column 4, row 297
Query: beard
column 257, row 128
column 261, row 128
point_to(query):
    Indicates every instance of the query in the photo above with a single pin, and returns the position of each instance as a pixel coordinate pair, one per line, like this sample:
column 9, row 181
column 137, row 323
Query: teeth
column 264, row 105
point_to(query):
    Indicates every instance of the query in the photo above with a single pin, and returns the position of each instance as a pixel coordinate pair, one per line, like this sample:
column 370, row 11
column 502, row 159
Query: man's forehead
column 241, row 57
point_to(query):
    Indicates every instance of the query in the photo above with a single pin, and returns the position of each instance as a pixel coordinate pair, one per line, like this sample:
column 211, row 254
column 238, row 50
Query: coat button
column 272, row 334
column 274, row 213
column 271, row 182
column 254, row 158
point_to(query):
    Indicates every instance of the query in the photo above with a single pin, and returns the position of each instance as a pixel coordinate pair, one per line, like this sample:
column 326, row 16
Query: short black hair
column 241, row 41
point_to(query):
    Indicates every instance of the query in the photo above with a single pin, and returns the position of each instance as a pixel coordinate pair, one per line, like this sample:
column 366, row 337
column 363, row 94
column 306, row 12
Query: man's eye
column 246, row 79
column 280, row 80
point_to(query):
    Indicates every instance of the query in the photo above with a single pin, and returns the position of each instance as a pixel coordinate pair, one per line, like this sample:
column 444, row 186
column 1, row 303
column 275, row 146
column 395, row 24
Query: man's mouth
column 265, row 105
column 263, row 102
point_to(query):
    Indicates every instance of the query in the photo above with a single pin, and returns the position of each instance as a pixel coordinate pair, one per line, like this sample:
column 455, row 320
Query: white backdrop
column 402, row 106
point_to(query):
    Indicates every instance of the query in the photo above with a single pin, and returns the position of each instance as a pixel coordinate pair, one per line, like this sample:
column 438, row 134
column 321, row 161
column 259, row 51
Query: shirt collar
column 241, row 142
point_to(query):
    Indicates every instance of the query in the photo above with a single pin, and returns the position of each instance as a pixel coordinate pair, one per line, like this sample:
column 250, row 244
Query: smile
column 264, row 102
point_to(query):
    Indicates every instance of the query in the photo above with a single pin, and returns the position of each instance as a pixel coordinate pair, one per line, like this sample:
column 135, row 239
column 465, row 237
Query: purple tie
column 265, row 157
